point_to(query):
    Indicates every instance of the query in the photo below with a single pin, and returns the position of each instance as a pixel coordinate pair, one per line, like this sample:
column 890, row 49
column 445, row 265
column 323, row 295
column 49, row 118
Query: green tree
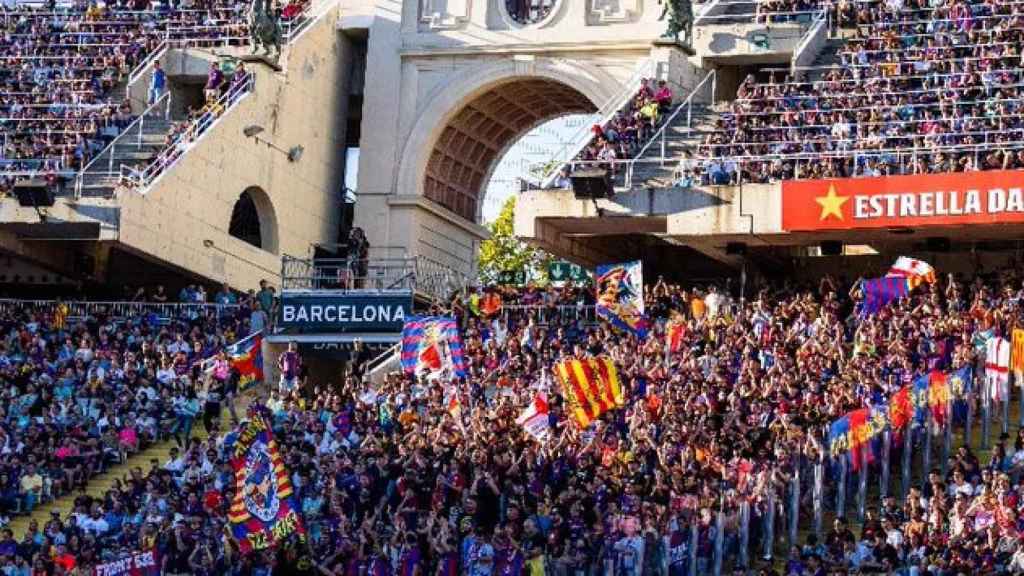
column 503, row 252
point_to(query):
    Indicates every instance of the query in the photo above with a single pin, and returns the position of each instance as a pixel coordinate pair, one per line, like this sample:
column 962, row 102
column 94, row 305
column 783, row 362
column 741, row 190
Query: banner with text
column 900, row 201
column 144, row 563
column 345, row 312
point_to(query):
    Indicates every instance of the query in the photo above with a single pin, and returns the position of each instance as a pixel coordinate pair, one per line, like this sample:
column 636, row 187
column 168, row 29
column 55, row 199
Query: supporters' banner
column 1017, row 356
column 879, row 292
column 263, row 512
column 431, row 344
column 620, row 295
column 901, row 408
column 246, row 356
column 949, row 199
column 591, row 387
column 997, row 367
column 145, row 563
column 344, row 312
column 534, row 419
column 961, row 382
column 839, row 436
column 915, row 271
column 861, row 433
column 920, row 396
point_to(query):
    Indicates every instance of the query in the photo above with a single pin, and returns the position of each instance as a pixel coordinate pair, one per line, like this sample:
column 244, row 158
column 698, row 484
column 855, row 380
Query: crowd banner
column 986, row 409
column 143, row 563
column 912, row 201
column 969, row 420
column 841, row 489
column 769, row 525
column 883, row 482
column 862, row 491
column 744, row 533
column 926, row 454
column 794, row 505
column 620, row 296
column 947, row 437
column 1006, row 411
column 263, row 513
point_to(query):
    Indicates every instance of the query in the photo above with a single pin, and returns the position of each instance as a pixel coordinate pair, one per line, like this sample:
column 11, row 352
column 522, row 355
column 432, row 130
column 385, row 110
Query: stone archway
column 254, row 221
column 472, row 120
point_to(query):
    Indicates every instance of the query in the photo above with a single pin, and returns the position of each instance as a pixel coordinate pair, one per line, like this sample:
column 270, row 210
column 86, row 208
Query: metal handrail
column 142, row 67
column 820, row 21
column 140, row 121
column 604, row 114
column 688, row 105
column 170, row 155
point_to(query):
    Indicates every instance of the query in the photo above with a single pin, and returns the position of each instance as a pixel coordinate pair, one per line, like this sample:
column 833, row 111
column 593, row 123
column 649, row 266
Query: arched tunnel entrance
column 475, row 137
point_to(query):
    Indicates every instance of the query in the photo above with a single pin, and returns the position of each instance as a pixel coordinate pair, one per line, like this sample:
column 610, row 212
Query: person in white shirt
column 95, row 523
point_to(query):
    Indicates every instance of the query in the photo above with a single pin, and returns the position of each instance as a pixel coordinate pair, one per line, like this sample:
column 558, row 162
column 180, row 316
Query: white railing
column 604, row 114
column 811, row 42
column 118, row 310
column 143, row 179
column 710, row 81
column 142, row 68
column 137, row 127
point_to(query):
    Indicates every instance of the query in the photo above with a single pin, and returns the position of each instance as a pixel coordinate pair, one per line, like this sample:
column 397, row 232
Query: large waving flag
column 263, row 513
column 879, row 292
column 839, row 436
column 961, row 382
column 431, row 344
column 997, row 367
column 246, row 356
column 938, row 396
column 915, row 271
column 591, row 387
column 901, row 408
column 620, row 296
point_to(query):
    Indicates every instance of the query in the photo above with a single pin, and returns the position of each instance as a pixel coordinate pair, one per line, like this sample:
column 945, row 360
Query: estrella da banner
column 345, row 312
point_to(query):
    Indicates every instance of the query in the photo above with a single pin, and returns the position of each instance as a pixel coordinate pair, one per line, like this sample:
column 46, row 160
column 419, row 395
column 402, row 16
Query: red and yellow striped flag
column 590, row 387
column 1017, row 355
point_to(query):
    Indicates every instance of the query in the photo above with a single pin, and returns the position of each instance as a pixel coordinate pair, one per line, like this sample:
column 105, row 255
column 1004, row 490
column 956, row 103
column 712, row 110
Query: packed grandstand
column 802, row 426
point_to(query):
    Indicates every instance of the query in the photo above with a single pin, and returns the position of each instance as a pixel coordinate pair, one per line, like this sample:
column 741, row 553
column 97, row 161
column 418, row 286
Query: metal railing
column 144, row 67
column 819, row 26
column 419, row 274
column 710, row 81
column 124, row 139
column 582, row 137
column 143, row 179
column 164, row 312
column 544, row 315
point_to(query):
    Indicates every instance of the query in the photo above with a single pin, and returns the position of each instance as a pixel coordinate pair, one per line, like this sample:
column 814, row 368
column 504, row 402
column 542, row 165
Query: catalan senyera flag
column 590, row 387
column 1017, row 355
column 915, row 271
column 246, row 356
column 263, row 512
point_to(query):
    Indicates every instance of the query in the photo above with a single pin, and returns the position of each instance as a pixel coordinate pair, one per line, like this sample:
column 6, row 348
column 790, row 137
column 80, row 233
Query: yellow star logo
column 831, row 204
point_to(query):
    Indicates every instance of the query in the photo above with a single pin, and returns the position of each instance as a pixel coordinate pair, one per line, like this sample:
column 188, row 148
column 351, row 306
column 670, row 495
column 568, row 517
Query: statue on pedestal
column 680, row 20
column 264, row 28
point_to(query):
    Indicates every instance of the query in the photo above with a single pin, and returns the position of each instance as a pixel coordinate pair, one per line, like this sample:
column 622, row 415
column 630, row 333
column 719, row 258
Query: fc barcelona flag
column 620, row 296
column 431, row 344
column 246, row 356
column 901, row 408
column 961, row 382
column 263, row 513
column 591, row 387
column 879, row 292
column 938, row 396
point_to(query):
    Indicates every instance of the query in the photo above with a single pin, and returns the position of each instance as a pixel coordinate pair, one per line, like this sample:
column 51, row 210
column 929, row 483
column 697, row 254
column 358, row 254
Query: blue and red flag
column 861, row 433
column 246, row 356
column 431, row 344
column 620, row 296
column 263, row 513
column 839, row 436
column 879, row 292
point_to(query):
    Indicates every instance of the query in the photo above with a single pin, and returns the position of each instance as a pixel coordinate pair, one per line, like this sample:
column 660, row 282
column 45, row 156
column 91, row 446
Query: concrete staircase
column 140, row 143
column 678, row 138
column 98, row 486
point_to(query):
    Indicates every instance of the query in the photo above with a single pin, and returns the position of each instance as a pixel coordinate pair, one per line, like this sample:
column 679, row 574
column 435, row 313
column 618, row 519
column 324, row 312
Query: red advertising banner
column 143, row 563
column 995, row 197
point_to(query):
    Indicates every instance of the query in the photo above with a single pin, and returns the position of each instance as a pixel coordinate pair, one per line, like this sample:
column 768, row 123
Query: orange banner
column 903, row 201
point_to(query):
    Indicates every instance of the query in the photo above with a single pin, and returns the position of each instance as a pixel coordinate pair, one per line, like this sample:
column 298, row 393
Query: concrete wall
column 192, row 202
column 741, row 43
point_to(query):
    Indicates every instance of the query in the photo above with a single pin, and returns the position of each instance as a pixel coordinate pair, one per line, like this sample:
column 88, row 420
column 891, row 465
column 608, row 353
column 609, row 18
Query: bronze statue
column 264, row 28
column 680, row 20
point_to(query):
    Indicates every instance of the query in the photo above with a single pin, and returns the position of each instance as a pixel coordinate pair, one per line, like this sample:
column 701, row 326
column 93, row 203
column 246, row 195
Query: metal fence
column 419, row 274
column 80, row 310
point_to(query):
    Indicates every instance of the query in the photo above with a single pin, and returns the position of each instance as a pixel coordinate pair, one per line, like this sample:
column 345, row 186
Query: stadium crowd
column 920, row 87
column 434, row 476
column 61, row 66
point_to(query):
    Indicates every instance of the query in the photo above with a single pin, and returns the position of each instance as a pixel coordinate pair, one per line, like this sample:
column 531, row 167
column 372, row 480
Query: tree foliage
column 503, row 252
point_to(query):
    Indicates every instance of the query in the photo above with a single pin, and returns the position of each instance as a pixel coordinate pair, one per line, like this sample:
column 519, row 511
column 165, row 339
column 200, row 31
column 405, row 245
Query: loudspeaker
column 592, row 184
column 831, row 248
column 34, row 192
column 938, row 244
column 736, row 248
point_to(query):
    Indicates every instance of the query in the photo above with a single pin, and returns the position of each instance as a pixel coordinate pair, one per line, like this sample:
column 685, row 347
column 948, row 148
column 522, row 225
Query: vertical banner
column 769, row 525
column 862, row 491
column 719, row 539
column 745, row 533
column 620, row 296
column 908, row 449
column 694, row 541
column 794, row 505
column 926, row 453
column 841, row 491
column 263, row 513
column 819, row 496
column 883, row 482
